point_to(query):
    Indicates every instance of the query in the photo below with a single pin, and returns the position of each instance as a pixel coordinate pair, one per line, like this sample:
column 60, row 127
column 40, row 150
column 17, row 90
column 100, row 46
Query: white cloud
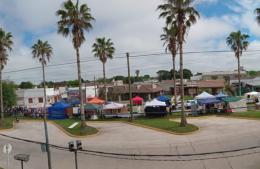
column 133, row 25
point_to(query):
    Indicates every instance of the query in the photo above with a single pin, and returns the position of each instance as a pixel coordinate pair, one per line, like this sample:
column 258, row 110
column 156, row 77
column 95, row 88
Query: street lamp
column 22, row 158
column 75, row 149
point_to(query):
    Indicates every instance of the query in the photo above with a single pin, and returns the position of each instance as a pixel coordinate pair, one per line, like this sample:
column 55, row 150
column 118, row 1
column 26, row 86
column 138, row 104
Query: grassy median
column 76, row 130
column 249, row 114
column 166, row 124
column 6, row 123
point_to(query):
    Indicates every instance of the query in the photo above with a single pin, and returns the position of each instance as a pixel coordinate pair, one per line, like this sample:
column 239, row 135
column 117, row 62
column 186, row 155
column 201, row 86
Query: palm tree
column 74, row 20
column 103, row 49
column 238, row 43
column 257, row 12
column 183, row 15
column 5, row 46
column 137, row 73
column 170, row 40
column 42, row 51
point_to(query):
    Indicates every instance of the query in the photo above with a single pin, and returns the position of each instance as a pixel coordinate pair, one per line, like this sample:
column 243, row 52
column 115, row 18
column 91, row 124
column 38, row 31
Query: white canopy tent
column 252, row 94
column 113, row 105
column 155, row 103
column 204, row 95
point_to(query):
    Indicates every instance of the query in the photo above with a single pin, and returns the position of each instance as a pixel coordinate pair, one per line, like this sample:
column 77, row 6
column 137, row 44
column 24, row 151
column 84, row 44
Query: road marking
column 73, row 125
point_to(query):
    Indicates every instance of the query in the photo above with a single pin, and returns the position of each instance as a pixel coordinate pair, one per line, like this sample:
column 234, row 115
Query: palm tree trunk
column 174, row 80
column 104, row 80
column 183, row 115
column 174, row 51
column 83, row 122
column 239, row 75
column 1, row 96
column 45, row 117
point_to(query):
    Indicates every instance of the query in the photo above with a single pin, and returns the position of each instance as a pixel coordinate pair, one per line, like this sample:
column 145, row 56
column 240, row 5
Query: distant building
column 34, row 98
column 220, row 75
column 247, row 85
column 191, row 87
column 146, row 91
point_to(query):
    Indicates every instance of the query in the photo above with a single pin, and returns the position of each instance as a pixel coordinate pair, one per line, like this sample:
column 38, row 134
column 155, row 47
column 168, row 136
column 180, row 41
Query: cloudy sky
column 134, row 27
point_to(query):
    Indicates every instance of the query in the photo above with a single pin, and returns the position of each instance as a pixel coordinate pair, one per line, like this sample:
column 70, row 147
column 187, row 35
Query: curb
column 163, row 131
column 72, row 135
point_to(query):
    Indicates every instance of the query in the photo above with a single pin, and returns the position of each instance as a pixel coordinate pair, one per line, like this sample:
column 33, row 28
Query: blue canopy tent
column 58, row 111
column 75, row 102
column 208, row 101
column 165, row 99
column 221, row 96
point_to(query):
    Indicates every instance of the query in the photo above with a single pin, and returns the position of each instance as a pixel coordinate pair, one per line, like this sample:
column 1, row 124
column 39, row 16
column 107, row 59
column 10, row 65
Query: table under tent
column 114, row 108
column 58, row 111
column 207, row 103
column 235, row 104
column 155, row 108
column 92, row 110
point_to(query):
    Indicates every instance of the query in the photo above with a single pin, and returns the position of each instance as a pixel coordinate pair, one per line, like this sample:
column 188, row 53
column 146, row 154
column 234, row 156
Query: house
column 191, row 87
column 211, row 86
column 250, row 84
column 146, row 91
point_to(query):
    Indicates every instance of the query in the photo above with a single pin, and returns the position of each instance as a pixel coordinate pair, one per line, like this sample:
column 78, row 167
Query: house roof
column 138, row 88
column 211, row 84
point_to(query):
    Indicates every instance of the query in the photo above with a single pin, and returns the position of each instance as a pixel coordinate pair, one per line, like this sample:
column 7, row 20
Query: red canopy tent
column 137, row 100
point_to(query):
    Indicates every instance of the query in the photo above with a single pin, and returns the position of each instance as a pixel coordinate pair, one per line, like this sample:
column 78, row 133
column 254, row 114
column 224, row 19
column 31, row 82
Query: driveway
column 216, row 134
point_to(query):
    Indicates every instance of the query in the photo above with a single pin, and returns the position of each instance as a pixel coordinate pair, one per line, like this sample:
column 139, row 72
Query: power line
column 142, row 156
column 123, row 57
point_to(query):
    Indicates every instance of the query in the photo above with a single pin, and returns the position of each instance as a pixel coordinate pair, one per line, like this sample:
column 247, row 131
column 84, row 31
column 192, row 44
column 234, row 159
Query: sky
column 134, row 27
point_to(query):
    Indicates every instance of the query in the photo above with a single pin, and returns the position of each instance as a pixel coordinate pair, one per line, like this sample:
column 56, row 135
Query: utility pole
column 129, row 87
column 95, row 86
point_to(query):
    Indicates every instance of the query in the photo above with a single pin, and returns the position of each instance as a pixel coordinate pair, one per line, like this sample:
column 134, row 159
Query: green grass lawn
column 6, row 124
column 76, row 130
column 248, row 114
column 166, row 124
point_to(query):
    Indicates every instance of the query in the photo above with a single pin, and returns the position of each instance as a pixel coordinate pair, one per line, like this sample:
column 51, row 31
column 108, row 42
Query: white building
column 33, row 98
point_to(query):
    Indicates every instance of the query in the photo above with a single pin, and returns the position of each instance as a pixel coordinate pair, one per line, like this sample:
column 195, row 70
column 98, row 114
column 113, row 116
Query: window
column 30, row 100
column 40, row 100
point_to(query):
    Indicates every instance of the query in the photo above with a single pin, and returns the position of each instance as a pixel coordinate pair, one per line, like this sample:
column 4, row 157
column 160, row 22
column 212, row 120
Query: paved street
column 216, row 134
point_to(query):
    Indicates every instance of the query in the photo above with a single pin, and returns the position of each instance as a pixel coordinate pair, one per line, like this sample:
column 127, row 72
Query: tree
column 9, row 95
column 170, row 40
column 146, row 77
column 103, row 49
column 42, row 51
column 26, row 85
column 238, row 43
column 74, row 20
column 72, row 83
column 163, row 75
column 187, row 74
column 257, row 12
column 183, row 15
column 5, row 46
column 137, row 75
